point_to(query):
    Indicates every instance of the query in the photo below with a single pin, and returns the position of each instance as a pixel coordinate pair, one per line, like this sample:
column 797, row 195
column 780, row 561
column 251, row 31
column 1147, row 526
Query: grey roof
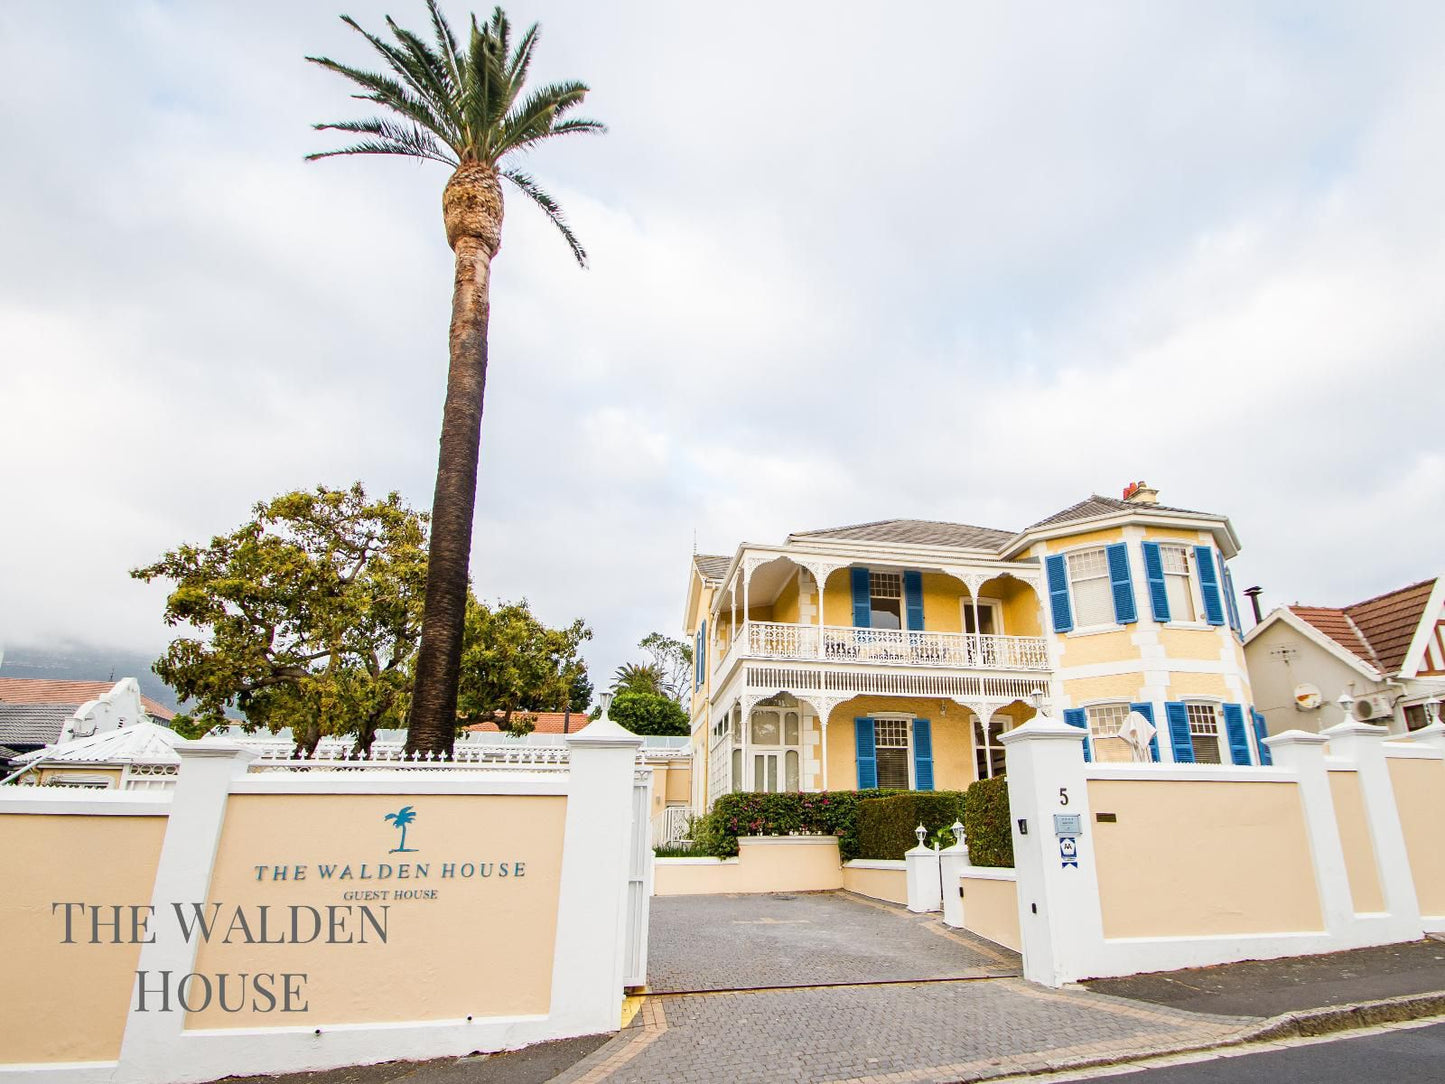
column 7, row 754
column 712, row 566
column 1105, row 506
column 920, row 532
column 32, row 724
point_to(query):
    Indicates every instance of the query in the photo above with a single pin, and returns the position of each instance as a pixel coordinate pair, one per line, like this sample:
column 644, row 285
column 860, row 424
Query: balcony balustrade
column 898, row 647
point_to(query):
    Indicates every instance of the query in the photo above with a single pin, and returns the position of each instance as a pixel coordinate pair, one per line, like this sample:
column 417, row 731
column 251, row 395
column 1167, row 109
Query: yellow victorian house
column 893, row 654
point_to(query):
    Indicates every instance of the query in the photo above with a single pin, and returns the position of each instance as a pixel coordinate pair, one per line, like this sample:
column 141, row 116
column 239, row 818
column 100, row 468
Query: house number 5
column 1063, row 796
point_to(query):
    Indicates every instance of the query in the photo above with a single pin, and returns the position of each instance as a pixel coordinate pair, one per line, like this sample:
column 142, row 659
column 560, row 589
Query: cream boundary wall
column 1419, row 786
column 1191, row 858
column 989, row 906
column 583, row 822
column 877, row 878
column 54, row 1010
column 437, row 978
column 763, row 864
column 1206, row 864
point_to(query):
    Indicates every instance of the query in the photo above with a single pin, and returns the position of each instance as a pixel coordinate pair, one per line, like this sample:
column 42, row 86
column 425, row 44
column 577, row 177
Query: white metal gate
column 639, row 883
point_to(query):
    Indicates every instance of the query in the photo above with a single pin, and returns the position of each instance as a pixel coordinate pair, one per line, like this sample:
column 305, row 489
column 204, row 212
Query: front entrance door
column 773, row 754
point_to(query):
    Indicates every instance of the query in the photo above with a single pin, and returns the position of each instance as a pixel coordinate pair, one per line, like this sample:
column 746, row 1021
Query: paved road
column 805, row 939
column 1403, row 1056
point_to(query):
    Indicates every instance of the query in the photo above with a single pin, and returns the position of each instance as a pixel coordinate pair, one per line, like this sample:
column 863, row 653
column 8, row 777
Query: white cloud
column 955, row 263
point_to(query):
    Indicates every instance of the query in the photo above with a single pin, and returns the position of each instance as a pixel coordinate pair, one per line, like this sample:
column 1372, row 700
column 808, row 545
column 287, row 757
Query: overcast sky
column 850, row 262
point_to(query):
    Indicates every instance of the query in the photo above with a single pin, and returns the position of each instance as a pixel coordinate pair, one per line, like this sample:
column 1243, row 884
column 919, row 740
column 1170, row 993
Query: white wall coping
column 1410, row 752
column 67, row 801
column 785, row 841
column 695, row 861
column 988, row 873
column 1218, row 773
column 402, row 781
column 877, row 863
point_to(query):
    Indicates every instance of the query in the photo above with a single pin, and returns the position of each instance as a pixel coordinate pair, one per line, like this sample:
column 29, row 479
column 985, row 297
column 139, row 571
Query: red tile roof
column 1378, row 630
column 70, row 694
column 547, row 722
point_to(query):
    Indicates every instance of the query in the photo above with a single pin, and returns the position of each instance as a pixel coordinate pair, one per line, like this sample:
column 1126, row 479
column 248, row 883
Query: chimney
column 1141, row 493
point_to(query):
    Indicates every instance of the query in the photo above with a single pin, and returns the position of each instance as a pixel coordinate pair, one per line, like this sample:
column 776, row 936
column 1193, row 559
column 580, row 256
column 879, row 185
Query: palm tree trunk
column 472, row 208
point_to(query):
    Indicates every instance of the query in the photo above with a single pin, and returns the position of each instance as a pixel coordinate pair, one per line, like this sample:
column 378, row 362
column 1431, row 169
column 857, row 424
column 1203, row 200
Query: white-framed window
column 988, row 750
column 885, row 599
column 1204, row 732
column 1178, row 562
column 891, row 740
column 775, row 737
column 1104, row 723
column 1090, row 589
column 990, row 616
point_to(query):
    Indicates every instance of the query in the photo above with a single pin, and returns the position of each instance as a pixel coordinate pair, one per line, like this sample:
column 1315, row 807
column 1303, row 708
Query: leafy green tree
column 638, row 678
column 306, row 617
column 465, row 108
column 513, row 664
column 649, row 713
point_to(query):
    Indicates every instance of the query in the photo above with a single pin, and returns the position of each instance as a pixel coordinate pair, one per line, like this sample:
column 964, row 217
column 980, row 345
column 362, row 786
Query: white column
column 820, row 580
column 1058, row 883
column 587, row 968
column 924, row 891
column 1364, row 744
column 823, row 738
column 183, row 876
column 952, row 862
column 1304, row 755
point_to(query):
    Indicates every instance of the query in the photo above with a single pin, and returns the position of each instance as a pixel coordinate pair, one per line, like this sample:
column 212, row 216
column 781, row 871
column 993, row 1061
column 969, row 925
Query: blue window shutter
column 862, row 598
column 1122, row 583
column 1147, row 710
column 1154, row 571
column 1260, row 733
column 1231, row 602
column 913, row 600
column 699, row 657
column 1080, row 718
column 867, row 747
column 1234, row 727
column 1059, row 593
column 1209, row 585
column 922, row 755
column 1179, row 740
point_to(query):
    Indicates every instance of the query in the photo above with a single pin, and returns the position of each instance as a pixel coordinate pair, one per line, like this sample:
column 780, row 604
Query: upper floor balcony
column 774, row 640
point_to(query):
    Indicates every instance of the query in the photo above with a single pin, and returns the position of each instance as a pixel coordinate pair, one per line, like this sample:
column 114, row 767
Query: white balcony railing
column 955, row 650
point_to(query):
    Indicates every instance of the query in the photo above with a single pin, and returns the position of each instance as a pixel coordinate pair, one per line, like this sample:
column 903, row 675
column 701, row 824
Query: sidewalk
column 932, row 1032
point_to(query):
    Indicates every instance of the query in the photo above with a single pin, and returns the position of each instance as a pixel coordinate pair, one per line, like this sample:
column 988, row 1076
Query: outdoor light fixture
column 1432, row 710
column 920, row 832
column 606, row 699
column 957, row 829
column 1036, row 698
column 1346, row 702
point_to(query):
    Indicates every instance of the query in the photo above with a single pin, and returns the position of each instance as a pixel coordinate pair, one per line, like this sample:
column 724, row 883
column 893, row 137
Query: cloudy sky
column 850, row 262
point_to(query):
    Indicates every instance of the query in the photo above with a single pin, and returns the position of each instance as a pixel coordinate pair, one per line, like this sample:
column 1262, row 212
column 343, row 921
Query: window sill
column 1094, row 630
column 1191, row 626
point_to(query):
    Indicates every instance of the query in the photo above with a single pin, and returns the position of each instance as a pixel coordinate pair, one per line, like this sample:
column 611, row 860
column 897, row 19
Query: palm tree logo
column 400, row 819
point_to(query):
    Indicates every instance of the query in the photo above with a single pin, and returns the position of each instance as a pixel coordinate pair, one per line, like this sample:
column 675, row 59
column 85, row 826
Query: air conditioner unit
column 1373, row 709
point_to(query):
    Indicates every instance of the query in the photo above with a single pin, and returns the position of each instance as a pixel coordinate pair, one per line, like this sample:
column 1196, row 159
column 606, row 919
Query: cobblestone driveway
column 809, row 939
column 925, row 1032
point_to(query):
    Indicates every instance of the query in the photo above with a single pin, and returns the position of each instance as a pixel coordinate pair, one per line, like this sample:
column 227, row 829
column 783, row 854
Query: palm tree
column 467, row 110
column 400, row 819
column 640, row 677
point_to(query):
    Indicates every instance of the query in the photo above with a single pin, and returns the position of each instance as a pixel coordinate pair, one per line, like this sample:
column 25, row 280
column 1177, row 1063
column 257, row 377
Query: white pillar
column 820, row 579
column 1431, row 736
column 1304, row 754
column 1364, row 744
column 924, row 884
column 823, row 738
column 1058, row 883
column 183, row 875
column 587, row 969
column 952, row 862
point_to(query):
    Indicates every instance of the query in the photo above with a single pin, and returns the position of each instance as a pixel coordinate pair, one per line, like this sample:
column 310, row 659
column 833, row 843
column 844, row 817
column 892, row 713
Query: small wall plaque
column 1068, row 824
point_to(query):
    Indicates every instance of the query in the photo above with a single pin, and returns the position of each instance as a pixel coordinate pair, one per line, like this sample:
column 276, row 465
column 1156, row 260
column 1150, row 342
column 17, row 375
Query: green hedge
column 886, row 824
column 827, row 813
column 986, row 823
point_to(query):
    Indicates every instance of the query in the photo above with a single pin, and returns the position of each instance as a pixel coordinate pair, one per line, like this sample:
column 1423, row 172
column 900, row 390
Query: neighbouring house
column 543, row 722
column 1387, row 654
column 37, row 712
column 139, row 756
column 894, row 654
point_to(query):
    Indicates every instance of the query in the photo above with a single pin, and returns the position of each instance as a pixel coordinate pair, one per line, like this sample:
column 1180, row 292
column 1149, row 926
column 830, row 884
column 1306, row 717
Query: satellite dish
column 1307, row 697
